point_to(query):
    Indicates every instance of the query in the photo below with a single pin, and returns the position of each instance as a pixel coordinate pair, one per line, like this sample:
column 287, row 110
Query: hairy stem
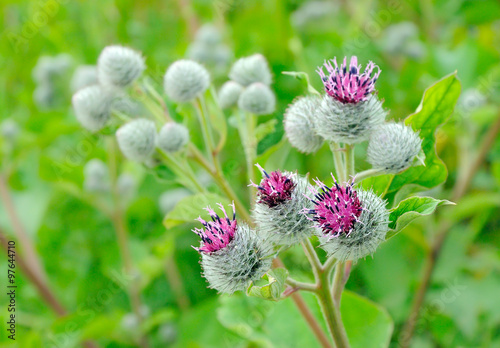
column 349, row 161
column 219, row 178
column 338, row 161
column 306, row 312
column 367, row 174
column 459, row 190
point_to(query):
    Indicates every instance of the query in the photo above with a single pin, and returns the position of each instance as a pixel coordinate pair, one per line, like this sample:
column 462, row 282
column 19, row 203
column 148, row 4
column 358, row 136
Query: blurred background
column 46, row 205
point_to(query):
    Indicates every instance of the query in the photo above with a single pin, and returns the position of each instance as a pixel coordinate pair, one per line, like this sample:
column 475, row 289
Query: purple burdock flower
column 336, row 209
column 275, row 188
column 349, row 86
column 219, row 232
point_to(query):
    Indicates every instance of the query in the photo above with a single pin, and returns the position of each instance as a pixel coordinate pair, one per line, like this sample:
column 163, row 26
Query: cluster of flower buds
column 350, row 224
column 101, row 90
column 46, row 73
column 98, row 87
column 350, row 112
column 209, row 49
column 248, row 87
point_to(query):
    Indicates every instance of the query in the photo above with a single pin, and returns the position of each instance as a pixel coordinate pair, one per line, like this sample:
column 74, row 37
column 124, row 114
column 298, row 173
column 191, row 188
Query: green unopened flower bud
column 48, row 68
column 9, row 129
column 368, row 231
column 173, row 137
column 169, row 199
column 126, row 186
column 96, row 176
column 229, row 94
column 137, row 139
column 251, row 69
column 185, row 80
column 393, row 147
column 119, row 66
column 348, row 122
column 44, row 96
column 92, row 107
column 84, row 76
column 209, row 34
column 299, row 126
column 257, row 99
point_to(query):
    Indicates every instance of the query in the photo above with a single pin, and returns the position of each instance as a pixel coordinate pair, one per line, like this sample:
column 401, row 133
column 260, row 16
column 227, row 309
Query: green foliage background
column 77, row 244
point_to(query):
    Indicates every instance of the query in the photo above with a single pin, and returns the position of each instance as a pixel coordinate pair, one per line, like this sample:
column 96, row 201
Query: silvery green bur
column 251, row 69
column 173, row 137
column 92, row 107
column 257, row 99
column 185, row 80
column 84, row 76
column 299, row 124
column 137, row 139
column 119, row 66
column 281, row 197
column 232, row 255
column 393, row 147
column 350, row 223
column 229, row 94
column 96, row 176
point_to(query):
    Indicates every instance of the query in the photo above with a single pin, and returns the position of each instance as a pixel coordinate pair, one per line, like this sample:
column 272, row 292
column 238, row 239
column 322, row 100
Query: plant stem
column 459, row 190
column 205, row 127
column 311, row 320
column 250, row 151
column 331, row 313
column 219, row 178
column 367, row 174
column 32, row 258
column 118, row 220
column 301, row 286
column 349, row 161
column 175, row 280
column 338, row 161
column 306, row 312
column 36, row 279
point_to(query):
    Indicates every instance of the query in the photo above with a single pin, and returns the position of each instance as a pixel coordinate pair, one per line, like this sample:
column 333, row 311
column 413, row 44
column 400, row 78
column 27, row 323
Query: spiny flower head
column 348, row 86
column 278, row 211
column 218, row 233
column 336, row 209
column 275, row 188
column 119, row 66
column 368, row 231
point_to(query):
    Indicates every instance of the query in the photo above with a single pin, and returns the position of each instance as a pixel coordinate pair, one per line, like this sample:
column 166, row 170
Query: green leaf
column 264, row 129
column 368, row 325
column 379, row 184
column 434, row 110
column 271, row 286
column 304, row 78
column 410, row 209
column 189, row 208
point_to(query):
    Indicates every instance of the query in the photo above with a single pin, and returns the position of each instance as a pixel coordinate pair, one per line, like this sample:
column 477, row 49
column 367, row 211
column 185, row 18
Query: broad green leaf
column 189, row 208
column 410, row 209
column 379, row 184
column 304, row 78
column 271, row 286
column 368, row 325
column 434, row 110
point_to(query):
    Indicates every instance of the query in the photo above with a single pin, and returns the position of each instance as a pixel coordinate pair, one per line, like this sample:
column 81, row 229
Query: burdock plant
column 349, row 218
